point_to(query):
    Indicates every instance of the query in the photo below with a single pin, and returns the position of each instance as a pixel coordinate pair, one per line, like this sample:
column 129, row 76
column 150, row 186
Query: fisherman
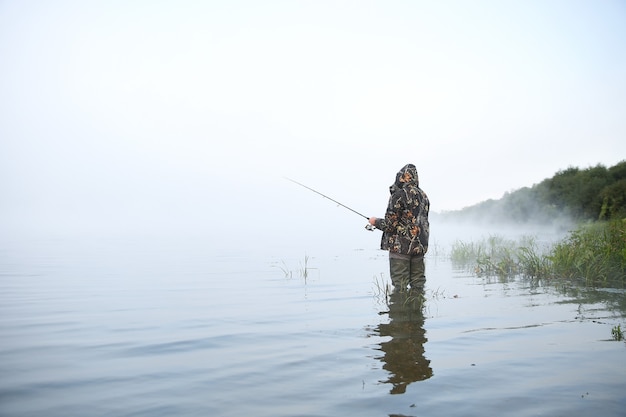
column 405, row 230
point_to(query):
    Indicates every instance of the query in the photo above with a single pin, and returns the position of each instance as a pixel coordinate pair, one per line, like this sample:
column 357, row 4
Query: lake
column 149, row 326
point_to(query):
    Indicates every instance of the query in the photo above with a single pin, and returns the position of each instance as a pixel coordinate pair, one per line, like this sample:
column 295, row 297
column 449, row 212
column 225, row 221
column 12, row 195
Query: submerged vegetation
column 594, row 253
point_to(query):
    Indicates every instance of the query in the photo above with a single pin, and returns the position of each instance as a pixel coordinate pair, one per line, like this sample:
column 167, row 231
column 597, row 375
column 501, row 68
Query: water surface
column 150, row 327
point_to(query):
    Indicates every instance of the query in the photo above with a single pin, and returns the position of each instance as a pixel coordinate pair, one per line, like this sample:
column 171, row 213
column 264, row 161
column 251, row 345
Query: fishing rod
column 368, row 226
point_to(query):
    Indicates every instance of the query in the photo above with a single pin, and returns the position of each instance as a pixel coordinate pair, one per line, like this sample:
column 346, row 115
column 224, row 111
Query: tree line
column 594, row 193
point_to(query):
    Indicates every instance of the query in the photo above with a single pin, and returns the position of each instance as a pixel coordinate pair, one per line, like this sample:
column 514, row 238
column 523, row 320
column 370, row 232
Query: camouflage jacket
column 405, row 226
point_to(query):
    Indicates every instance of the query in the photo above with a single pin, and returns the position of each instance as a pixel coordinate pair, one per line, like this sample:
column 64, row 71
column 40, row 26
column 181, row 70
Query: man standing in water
column 406, row 230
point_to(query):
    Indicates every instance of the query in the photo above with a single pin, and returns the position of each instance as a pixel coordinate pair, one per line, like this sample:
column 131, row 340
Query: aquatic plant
column 283, row 267
column 595, row 253
column 493, row 256
column 303, row 270
column 532, row 260
column 382, row 289
column 617, row 333
column 465, row 253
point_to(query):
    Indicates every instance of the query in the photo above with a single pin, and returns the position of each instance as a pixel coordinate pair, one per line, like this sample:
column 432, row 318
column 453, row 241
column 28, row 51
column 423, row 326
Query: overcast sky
column 146, row 111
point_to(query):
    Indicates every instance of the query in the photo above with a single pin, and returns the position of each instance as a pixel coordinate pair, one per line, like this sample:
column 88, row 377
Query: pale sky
column 146, row 111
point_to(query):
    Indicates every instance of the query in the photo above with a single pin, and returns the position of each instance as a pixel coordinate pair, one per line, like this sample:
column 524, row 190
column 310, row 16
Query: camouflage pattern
column 405, row 226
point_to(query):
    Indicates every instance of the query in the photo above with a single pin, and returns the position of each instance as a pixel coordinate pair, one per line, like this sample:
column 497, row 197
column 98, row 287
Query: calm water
column 150, row 327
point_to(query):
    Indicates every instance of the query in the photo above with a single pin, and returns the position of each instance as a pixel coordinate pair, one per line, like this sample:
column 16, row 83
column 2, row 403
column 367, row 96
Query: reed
column 532, row 263
column 382, row 290
column 493, row 256
column 464, row 253
column 385, row 294
column 594, row 253
column 285, row 269
column 303, row 270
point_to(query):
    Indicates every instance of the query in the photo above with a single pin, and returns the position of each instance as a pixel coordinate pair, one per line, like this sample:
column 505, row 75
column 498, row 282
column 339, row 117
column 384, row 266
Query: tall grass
column 497, row 256
column 594, row 253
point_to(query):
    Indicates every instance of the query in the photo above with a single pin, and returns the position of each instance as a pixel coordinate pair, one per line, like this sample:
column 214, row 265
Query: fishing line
column 368, row 226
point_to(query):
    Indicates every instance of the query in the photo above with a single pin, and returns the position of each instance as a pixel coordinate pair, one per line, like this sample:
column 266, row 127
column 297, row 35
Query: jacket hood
column 407, row 175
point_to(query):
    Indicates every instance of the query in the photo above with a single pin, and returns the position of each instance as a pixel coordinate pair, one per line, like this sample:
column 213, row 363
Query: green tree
column 587, row 194
column 563, row 189
column 613, row 201
column 592, row 182
column 618, row 171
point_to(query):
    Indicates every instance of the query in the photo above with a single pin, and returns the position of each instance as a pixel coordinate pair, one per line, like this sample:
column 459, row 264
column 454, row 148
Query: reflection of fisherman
column 404, row 354
column 406, row 229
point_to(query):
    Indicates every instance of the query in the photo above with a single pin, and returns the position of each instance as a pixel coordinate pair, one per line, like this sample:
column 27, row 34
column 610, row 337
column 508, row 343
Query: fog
column 183, row 118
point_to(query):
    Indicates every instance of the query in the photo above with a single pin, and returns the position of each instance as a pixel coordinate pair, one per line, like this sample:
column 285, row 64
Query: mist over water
column 291, row 323
column 245, row 216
